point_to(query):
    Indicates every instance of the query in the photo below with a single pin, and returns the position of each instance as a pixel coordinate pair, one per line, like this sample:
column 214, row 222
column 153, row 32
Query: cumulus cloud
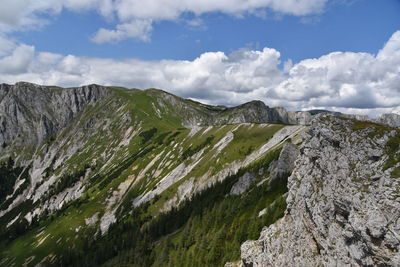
column 135, row 17
column 139, row 29
column 213, row 76
column 350, row 82
column 6, row 45
column 346, row 80
column 22, row 15
column 18, row 61
column 12, row 11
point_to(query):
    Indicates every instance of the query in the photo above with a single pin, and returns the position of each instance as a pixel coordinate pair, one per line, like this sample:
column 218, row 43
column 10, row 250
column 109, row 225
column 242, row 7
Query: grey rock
column 391, row 119
column 243, row 183
column 257, row 111
column 197, row 114
column 342, row 205
column 285, row 163
column 356, row 117
column 31, row 113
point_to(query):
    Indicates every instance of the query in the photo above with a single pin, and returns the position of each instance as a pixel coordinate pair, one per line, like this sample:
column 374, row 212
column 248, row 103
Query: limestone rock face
column 342, row 205
column 356, row 117
column 243, row 184
column 390, row 119
column 31, row 113
column 197, row 114
column 257, row 111
column 292, row 117
column 285, row 162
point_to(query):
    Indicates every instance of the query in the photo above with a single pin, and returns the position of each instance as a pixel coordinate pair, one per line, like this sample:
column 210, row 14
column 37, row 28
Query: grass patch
column 392, row 150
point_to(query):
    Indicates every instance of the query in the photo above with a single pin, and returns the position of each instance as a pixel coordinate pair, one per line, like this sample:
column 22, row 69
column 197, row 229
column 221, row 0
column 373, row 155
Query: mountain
column 78, row 161
column 343, row 201
column 98, row 175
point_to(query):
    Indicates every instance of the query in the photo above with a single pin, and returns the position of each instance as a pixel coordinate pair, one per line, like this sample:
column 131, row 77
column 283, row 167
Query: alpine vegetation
column 100, row 175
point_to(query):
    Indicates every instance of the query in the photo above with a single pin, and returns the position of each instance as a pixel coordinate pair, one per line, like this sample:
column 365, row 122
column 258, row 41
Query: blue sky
column 359, row 26
column 300, row 54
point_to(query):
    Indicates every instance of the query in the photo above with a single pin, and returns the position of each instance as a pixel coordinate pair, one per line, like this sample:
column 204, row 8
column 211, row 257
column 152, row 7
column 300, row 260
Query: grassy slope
column 60, row 229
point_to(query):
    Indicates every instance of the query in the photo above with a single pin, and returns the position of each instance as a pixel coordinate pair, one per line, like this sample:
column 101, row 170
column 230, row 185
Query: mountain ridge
column 17, row 110
column 342, row 201
column 122, row 173
column 85, row 171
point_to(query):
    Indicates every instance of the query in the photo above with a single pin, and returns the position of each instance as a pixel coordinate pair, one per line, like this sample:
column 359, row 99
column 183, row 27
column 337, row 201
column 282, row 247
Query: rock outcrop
column 30, row 113
column 391, row 119
column 197, row 114
column 285, row 163
column 343, row 203
column 257, row 111
column 243, row 184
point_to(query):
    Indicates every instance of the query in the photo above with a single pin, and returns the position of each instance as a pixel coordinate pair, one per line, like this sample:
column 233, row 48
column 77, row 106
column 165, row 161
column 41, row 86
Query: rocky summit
column 343, row 201
column 110, row 176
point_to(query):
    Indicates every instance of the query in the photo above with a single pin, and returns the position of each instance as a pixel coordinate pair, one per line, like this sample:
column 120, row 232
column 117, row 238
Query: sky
column 300, row 54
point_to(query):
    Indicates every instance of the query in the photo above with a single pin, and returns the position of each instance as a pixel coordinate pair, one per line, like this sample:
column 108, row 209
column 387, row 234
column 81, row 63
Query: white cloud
column 359, row 83
column 196, row 23
column 169, row 10
column 6, row 45
column 346, row 80
column 12, row 11
column 18, row 61
column 391, row 50
column 135, row 17
column 158, row 10
column 139, row 29
column 17, row 15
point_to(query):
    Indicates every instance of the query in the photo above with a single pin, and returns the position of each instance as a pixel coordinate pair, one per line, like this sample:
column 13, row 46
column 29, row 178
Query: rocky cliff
column 391, row 119
column 257, row 111
column 31, row 113
column 343, row 201
column 197, row 114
